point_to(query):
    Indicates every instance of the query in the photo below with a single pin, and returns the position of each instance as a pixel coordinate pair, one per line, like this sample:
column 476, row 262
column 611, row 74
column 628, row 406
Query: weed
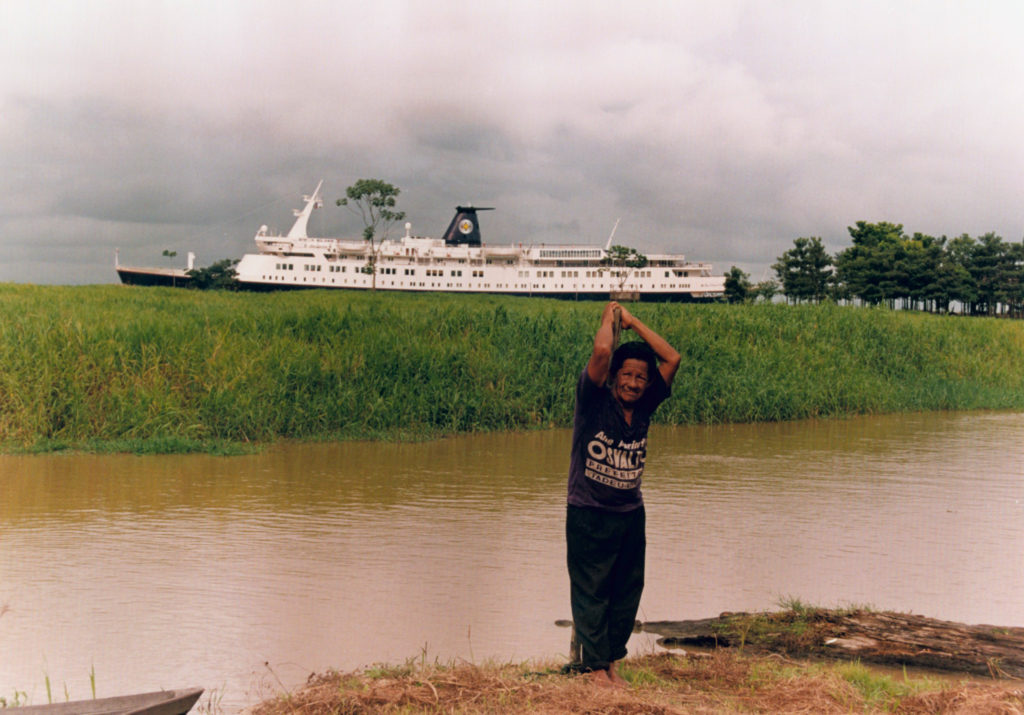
column 880, row 690
column 18, row 699
column 794, row 604
column 211, row 705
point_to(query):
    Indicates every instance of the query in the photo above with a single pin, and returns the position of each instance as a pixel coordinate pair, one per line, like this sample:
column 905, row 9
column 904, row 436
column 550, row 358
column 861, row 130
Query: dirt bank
column 675, row 682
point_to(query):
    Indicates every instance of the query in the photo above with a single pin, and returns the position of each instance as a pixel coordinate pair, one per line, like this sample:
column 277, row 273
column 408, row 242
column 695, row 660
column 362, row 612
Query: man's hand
column 626, row 318
column 608, row 314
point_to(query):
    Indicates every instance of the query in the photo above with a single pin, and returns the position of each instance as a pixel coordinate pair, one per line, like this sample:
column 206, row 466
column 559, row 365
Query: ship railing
column 500, row 250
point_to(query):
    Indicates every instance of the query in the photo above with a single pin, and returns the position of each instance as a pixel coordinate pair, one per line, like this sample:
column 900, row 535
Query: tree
column 737, row 286
column 867, row 270
column 953, row 282
column 956, row 273
column 991, row 266
column 805, row 270
column 766, row 290
column 219, row 275
column 1014, row 279
column 918, row 269
column 374, row 201
column 621, row 261
column 169, row 253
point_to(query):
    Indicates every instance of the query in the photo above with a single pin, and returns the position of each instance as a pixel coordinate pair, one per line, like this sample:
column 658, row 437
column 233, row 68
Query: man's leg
column 592, row 547
column 627, row 584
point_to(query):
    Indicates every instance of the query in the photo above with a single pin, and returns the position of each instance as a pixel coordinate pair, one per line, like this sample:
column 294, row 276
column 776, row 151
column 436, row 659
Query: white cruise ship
column 460, row 263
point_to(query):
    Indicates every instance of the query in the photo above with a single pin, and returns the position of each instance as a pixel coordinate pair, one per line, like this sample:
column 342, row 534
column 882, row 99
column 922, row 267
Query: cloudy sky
column 720, row 129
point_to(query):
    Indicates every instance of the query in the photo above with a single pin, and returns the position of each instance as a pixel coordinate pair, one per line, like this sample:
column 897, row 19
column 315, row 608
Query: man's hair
column 635, row 350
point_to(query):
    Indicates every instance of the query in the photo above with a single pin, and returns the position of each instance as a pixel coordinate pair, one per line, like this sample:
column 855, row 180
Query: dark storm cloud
column 110, row 162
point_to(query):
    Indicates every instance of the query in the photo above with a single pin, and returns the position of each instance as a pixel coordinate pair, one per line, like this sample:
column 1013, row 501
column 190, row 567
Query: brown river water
column 245, row 574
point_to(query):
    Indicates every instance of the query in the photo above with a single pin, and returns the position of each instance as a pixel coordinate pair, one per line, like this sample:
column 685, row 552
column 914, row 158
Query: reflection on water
column 174, row 571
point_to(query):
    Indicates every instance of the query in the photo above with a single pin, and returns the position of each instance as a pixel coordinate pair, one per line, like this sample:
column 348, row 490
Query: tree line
column 885, row 266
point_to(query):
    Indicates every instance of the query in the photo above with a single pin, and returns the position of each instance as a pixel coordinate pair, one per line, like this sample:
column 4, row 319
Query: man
column 605, row 521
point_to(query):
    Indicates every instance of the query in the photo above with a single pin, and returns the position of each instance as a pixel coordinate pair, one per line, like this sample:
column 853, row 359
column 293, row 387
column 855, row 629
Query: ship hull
column 171, row 277
column 635, row 296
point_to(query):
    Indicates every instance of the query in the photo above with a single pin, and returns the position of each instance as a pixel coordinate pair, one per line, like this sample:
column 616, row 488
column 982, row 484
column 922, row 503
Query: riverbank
column 673, row 682
column 119, row 368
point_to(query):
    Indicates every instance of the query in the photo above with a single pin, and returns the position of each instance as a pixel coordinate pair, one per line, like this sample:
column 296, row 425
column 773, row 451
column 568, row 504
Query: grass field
column 164, row 370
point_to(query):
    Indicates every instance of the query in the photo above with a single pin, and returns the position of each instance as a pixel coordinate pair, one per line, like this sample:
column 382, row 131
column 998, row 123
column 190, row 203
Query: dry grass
column 721, row 682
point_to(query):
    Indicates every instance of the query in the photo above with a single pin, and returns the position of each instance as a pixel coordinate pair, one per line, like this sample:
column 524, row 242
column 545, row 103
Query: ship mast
column 312, row 202
column 608, row 246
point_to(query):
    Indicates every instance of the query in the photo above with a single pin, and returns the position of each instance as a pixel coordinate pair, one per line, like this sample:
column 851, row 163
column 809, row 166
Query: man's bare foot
column 600, row 678
column 617, row 680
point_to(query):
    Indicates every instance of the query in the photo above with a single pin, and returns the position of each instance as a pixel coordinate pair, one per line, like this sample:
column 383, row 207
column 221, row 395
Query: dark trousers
column 606, row 575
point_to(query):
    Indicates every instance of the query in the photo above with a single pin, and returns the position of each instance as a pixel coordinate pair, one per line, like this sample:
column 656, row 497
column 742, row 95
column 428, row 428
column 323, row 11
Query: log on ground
column 881, row 637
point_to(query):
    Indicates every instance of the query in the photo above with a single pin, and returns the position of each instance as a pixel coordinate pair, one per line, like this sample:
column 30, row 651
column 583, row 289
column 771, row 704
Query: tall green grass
column 116, row 365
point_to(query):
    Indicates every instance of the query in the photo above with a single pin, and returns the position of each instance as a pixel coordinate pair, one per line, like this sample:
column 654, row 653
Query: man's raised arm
column 668, row 357
column 604, row 340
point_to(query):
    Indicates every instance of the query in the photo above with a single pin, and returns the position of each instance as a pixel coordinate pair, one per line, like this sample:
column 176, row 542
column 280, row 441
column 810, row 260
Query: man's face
column 630, row 382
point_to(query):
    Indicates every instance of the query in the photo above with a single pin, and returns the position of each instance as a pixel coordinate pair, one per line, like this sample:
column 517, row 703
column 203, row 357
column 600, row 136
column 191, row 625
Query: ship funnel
column 464, row 228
